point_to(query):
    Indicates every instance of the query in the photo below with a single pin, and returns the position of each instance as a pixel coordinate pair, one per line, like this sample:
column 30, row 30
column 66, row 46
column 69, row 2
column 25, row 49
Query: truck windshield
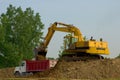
column 22, row 64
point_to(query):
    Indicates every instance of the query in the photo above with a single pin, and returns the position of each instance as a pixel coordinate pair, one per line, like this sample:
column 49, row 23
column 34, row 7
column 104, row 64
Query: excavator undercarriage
column 80, row 57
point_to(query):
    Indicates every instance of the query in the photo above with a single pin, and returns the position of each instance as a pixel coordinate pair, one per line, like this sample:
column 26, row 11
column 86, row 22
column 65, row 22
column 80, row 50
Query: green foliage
column 51, row 58
column 20, row 33
column 118, row 56
column 66, row 41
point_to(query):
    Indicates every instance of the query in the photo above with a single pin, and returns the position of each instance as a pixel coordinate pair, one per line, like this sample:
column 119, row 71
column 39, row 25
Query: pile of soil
column 93, row 69
column 7, row 73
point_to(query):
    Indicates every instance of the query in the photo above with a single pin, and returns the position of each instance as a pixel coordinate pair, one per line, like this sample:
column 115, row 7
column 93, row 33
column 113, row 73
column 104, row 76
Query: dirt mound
column 7, row 73
column 98, row 69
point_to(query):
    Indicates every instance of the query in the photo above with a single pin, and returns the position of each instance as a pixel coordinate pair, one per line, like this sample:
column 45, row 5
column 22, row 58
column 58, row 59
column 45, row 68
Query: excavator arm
column 64, row 28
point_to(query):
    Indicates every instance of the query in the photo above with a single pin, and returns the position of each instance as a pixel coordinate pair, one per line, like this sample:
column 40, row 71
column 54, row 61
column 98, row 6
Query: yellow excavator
column 78, row 48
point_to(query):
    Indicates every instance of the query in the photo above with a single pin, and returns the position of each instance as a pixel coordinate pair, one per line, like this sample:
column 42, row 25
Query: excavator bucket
column 43, row 53
column 40, row 54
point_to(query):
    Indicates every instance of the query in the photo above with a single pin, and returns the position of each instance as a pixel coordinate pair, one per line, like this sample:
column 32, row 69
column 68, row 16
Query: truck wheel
column 17, row 74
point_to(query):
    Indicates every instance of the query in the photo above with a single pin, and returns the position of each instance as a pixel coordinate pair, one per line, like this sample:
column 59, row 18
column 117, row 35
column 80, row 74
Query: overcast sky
column 97, row 18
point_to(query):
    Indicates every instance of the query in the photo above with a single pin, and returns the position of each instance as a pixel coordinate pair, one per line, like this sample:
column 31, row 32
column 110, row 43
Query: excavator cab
column 69, row 41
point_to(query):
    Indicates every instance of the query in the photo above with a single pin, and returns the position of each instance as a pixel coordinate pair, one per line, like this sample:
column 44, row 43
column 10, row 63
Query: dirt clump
column 94, row 69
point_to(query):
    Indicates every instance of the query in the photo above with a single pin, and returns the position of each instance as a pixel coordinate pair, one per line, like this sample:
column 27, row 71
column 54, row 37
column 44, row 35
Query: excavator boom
column 66, row 28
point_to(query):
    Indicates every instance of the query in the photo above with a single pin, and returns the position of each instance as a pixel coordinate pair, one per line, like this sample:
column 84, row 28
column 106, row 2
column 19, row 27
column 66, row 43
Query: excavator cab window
column 69, row 40
column 74, row 40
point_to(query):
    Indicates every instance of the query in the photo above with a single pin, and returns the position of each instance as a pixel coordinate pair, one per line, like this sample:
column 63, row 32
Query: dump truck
column 28, row 67
column 78, row 48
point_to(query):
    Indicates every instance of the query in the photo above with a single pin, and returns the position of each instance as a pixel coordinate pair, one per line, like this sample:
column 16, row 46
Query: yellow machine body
column 91, row 47
column 79, row 45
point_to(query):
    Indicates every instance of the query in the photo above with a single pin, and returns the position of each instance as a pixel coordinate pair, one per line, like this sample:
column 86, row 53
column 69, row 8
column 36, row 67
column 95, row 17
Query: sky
column 97, row 18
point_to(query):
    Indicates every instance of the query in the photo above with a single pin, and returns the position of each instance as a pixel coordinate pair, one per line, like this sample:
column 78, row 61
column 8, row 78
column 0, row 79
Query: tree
column 20, row 34
column 118, row 56
column 66, row 43
column 51, row 58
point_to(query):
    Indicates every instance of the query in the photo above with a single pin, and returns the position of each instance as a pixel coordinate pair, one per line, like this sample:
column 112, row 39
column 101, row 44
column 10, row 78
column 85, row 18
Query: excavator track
column 80, row 57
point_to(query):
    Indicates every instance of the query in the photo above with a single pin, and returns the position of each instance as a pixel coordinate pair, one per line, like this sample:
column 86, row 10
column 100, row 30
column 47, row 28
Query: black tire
column 17, row 74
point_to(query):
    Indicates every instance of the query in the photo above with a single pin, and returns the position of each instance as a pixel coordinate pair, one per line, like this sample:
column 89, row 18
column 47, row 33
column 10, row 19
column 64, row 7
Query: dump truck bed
column 35, row 66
